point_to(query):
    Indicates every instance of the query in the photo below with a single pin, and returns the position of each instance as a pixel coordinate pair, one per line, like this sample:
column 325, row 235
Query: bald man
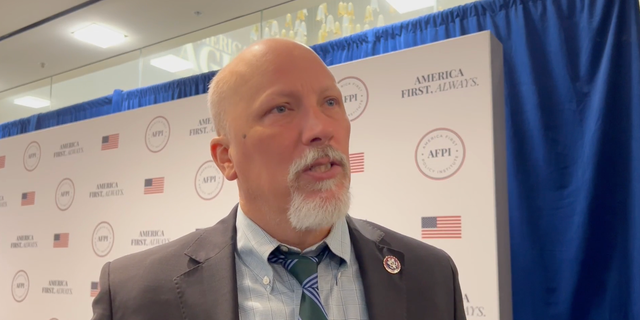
column 289, row 249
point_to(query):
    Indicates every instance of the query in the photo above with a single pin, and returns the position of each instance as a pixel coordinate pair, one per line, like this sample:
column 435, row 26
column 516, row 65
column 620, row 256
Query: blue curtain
column 572, row 93
column 178, row 89
column 117, row 102
column 572, row 89
column 78, row 112
column 18, row 126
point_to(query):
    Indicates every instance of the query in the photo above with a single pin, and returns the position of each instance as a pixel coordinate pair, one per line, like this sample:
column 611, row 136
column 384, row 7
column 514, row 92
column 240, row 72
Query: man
column 283, row 135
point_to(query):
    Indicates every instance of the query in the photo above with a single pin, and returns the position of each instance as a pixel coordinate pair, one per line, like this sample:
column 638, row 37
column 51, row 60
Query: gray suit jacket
column 194, row 278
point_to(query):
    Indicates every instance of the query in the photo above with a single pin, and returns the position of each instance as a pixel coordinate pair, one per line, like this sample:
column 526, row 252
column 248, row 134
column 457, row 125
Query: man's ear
column 220, row 153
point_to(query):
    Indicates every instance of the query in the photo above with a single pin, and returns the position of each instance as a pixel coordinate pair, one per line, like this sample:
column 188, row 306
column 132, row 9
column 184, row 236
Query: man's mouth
column 321, row 168
column 322, row 165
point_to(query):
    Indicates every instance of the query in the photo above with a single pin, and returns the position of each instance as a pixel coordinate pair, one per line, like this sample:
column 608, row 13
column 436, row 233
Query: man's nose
column 317, row 127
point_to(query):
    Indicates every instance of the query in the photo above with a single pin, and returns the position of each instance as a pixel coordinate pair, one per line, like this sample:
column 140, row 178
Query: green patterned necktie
column 305, row 270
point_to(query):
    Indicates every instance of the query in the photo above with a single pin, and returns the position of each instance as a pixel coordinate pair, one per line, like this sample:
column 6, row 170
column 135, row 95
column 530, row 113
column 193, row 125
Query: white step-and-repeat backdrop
column 428, row 157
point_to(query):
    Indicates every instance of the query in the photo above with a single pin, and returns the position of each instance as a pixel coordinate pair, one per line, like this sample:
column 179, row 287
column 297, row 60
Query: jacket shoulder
column 413, row 248
column 164, row 258
column 431, row 276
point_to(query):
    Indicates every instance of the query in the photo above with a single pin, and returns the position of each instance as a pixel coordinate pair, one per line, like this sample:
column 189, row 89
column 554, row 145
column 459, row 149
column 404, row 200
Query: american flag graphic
column 443, row 227
column 61, row 240
column 110, row 142
column 154, row 185
column 3, row 160
column 28, row 198
column 95, row 288
column 356, row 162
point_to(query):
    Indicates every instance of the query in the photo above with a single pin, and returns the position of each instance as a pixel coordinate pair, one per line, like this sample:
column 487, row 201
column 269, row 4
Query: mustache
column 312, row 155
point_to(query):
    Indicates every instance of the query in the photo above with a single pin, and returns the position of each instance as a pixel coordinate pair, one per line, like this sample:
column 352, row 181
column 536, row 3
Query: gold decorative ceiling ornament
column 322, row 34
column 289, row 22
column 321, row 16
column 380, row 20
column 368, row 14
column 374, row 5
column 302, row 14
column 350, row 12
column 342, row 9
column 275, row 29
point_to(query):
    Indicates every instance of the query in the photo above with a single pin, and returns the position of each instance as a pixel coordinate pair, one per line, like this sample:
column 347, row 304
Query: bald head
column 226, row 88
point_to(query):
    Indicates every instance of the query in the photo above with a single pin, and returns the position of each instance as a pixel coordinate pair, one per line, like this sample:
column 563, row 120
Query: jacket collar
column 208, row 290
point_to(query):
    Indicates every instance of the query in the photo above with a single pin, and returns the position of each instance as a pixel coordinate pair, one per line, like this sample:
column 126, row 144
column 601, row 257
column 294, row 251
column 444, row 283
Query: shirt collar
column 255, row 245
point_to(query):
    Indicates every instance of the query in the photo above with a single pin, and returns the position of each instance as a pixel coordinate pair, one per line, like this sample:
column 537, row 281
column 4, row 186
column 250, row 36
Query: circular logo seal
column 391, row 264
column 157, row 134
column 355, row 96
column 102, row 239
column 208, row 181
column 20, row 286
column 31, row 157
column 65, row 193
column 440, row 154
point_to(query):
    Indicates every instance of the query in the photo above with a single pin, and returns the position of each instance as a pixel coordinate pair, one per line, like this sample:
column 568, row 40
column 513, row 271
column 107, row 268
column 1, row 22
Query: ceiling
column 145, row 22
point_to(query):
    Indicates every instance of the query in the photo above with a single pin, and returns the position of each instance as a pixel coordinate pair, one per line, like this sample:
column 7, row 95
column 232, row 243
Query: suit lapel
column 385, row 293
column 208, row 290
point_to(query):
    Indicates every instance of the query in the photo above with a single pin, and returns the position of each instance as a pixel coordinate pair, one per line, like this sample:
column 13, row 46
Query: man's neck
column 277, row 225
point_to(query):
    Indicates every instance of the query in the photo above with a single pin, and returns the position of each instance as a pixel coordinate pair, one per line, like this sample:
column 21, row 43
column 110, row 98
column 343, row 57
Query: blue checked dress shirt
column 267, row 291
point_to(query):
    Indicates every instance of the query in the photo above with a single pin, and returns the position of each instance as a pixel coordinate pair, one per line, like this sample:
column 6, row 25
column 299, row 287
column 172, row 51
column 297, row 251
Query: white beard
column 319, row 212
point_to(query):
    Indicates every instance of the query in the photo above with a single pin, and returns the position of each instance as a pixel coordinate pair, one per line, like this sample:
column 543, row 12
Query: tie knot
column 301, row 267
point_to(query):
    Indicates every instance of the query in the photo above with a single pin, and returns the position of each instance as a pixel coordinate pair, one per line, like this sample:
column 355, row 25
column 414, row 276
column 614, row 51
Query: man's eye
column 332, row 102
column 280, row 109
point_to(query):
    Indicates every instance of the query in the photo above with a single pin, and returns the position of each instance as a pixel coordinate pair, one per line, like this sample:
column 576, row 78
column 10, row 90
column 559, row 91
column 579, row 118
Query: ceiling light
column 32, row 102
column 171, row 63
column 99, row 36
column 404, row 6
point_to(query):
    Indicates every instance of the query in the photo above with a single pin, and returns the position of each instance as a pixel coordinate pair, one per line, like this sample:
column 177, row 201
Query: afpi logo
column 208, row 181
column 355, row 96
column 102, row 239
column 31, row 157
column 157, row 134
column 20, row 286
column 65, row 193
column 440, row 154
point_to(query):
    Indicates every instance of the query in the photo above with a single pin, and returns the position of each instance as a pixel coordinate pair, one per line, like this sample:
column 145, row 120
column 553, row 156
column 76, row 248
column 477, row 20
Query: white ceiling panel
column 15, row 14
column 145, row 22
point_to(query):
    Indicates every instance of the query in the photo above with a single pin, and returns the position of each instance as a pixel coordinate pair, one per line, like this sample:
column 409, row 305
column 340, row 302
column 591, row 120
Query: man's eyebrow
column 286, row 92
column 330, row 88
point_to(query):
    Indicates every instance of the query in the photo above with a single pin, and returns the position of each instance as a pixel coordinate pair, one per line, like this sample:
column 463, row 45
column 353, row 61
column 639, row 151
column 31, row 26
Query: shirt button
column 283, row 248
column 265, row 280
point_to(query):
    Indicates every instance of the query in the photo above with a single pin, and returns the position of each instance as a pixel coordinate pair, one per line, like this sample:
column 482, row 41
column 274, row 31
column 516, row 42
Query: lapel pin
column 392, row 264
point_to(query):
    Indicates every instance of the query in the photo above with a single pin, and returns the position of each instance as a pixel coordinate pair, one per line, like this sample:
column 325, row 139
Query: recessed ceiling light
column 171, row 63
column 98, row 35
column 404, row 6
column 32, row 102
